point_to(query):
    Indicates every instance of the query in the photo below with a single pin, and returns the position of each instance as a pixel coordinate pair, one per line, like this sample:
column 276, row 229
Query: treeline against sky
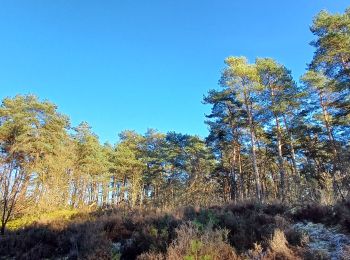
column 270, row 139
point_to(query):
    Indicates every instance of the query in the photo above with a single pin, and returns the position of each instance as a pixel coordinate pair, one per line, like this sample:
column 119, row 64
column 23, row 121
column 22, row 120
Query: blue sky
column 122, row 64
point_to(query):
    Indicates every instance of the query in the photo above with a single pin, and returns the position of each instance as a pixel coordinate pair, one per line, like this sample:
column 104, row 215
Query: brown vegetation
column 247, row 230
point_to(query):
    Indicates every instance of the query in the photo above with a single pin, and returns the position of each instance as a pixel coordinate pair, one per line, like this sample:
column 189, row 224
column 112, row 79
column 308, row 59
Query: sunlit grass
column 64, row 214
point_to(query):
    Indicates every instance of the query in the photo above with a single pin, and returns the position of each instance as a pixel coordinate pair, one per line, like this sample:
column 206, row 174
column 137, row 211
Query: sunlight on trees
column 269, row 139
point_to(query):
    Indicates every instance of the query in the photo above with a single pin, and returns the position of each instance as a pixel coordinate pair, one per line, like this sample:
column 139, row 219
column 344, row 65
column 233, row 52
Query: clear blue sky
column 122, row 64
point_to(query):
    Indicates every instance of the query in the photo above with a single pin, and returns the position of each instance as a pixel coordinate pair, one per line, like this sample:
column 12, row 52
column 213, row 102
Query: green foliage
column 332, row 43
column 32, row 136
column 153, row 231
column 196, row 246
column 269, row 139
column 206, row 218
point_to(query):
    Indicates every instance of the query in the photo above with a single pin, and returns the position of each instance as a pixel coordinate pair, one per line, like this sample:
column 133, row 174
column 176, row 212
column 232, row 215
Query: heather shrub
column 151, row 256
column 315, row 213
column 249, row 224
column 246, row 230
column 339, row 214
column 296, row 237
column 192, row 243
column 56, row 239
column 342, row 214
column 275, row 209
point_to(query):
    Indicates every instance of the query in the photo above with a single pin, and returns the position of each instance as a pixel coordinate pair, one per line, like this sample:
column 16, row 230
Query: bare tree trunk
column 280, row 160
column 10, row 193
column 253, row 147
column 241, row 175
column 336, row 159
column 125, row 193
column 291, row 144
column 279, row 149
column 3, row 215
column 113, row 191
column 233, row 175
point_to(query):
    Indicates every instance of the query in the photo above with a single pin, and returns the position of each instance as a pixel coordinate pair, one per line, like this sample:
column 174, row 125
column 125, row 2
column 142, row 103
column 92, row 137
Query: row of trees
column 46, row 165
column 279, row 140
column 269, row 139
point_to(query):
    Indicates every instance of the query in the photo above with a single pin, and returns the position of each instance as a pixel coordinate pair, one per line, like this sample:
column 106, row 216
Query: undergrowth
column 241, row 231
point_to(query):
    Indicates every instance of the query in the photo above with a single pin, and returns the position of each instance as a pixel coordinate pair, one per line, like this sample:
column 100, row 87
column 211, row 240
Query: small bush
column 315, row 213
column 191, row 243
column 151, row 256
column 279, row 245
column 296, row 237
column 342, row 214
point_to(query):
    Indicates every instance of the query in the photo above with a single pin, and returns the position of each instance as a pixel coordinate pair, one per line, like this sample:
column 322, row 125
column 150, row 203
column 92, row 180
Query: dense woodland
column 272, row 138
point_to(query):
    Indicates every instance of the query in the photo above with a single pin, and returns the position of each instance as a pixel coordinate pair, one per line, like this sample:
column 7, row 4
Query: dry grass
column 195, row 244
column 279, row 246
column 242, row 231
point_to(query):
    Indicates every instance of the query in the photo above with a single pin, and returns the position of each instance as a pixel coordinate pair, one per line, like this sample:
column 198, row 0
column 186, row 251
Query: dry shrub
column 220, row 232
column 188, row 212
column 277, row 249
column 151, row 256
column 339, row 214
column 315, row 213
column 76, row 240
column 275, row 209
column 191, row 243
column 297, row 237
column 256, row 253
column 114, row 228
column 248, row 224
column 342, row 215
column 279, row 245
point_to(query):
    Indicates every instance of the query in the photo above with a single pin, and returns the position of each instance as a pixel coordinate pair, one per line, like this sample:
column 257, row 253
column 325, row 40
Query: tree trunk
column 113, row 191
column 336, row 159
column 280, row 160
column 253, row 147
column 233, row 175
column 279, row 148
column 242, row 193
column 125, row 192
column 3, row 217
column 291, row 144
column 2, row 231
